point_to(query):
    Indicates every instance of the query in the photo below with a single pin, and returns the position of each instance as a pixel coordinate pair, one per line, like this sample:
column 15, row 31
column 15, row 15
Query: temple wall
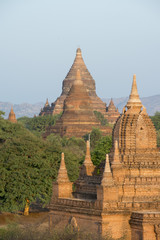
column 145, row 225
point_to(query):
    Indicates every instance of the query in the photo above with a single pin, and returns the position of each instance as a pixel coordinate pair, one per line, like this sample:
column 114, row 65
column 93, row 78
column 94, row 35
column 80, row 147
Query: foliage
column 1, row 114
column 102, row 147
column 101, row 118
column 37, row 125
column 158, row 138
column 25, row 169
column 95, row 136
column 156, row 120
column 74, row 150
column 28, row 164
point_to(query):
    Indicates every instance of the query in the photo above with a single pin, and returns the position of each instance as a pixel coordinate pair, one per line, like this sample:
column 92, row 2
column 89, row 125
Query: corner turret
column 62, row 188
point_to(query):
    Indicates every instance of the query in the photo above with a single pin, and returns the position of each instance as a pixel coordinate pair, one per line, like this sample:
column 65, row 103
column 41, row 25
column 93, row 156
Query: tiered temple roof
column 78, row 117
column 57, row 107
column 112, row 112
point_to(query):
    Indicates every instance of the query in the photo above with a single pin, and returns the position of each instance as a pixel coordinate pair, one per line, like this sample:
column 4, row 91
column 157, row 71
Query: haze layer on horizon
column 39, row 39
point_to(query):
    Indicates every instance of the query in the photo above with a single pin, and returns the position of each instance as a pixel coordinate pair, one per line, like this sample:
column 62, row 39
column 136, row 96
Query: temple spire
column 87, row 167
column 62, row 173
column 79, row 52
column 134, row 99
column 12, row 116
column 116, row 159
column 88, row 160
column 47, row 103
column 107, row 168
column 107, row 175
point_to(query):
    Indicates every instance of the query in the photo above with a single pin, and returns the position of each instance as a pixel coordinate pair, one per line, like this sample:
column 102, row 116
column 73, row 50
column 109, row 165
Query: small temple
column 112, row 112
column 122, row 201
column 57, row 107
column 78, row 116
column 12, row 116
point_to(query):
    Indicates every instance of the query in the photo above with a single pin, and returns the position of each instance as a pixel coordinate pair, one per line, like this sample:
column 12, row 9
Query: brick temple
column 78, row 116
column 12, row 116
column 89, row 83
column 124, row 199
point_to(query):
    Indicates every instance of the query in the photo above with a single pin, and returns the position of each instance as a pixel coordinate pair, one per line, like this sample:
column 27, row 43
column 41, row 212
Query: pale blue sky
column 38, row 41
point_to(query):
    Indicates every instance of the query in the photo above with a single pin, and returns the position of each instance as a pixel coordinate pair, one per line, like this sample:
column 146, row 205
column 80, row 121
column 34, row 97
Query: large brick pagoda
column 123, row 201
column 89, row 83
column 78, row 116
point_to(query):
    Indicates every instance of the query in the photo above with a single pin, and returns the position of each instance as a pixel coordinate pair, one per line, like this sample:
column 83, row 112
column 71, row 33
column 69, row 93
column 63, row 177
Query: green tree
column 101, row 118
column 156, row 121
column 37, row 125
column 102, row 147
column 25, row 172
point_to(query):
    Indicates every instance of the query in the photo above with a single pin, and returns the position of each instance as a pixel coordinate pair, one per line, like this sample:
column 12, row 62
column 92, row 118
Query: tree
column 25, row 173
column 156, row 121
column 101, row 118
column 102, row 147
column 37, row 125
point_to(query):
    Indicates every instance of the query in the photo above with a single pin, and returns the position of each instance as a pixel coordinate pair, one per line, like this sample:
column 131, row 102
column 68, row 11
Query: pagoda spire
column 47, row 103
column 87, row 167
column 12, row 116
column 62, row 173
column 78, row 52
column 88, row 160
column 134, row 99
column 116, row 159
column 111, row 105
column 107, row 174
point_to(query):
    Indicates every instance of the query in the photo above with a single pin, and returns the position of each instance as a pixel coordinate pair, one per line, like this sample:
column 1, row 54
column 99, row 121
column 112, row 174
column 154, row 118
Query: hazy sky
column 38, row 41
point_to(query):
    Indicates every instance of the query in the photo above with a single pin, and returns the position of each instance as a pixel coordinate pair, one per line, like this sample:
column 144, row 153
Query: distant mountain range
column 152, row 105
column 21, row 110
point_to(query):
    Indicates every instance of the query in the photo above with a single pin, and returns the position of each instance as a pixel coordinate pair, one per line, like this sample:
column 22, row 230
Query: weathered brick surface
column 78, row 117
column 89, row 83
column 124, row 200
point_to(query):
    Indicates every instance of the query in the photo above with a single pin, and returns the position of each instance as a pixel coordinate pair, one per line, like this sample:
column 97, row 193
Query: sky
column 39, row 38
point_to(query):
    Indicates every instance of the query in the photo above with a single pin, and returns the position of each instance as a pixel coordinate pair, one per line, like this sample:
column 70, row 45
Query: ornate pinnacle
column 107, row 175
column 78, row 52
column 116, row 159
column 107, row 165
column 88, row 160
column 134, row 99
column 47, row 103
column 62, row 173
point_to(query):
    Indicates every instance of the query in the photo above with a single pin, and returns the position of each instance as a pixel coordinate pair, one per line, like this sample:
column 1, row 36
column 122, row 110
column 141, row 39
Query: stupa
column 124, row 201
column 112, row 112
column 12, row 116
column 89, row 83
column 78, row 117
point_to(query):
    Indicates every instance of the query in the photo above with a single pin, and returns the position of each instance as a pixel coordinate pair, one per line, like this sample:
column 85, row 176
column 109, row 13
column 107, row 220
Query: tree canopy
column 156, row 121
column 29, row 164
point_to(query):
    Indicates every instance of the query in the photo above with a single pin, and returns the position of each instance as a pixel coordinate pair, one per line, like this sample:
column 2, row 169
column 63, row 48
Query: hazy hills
column 25, row 109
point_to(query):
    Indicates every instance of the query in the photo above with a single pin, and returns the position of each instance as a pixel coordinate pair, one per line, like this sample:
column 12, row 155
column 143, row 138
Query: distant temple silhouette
column 12, row 116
